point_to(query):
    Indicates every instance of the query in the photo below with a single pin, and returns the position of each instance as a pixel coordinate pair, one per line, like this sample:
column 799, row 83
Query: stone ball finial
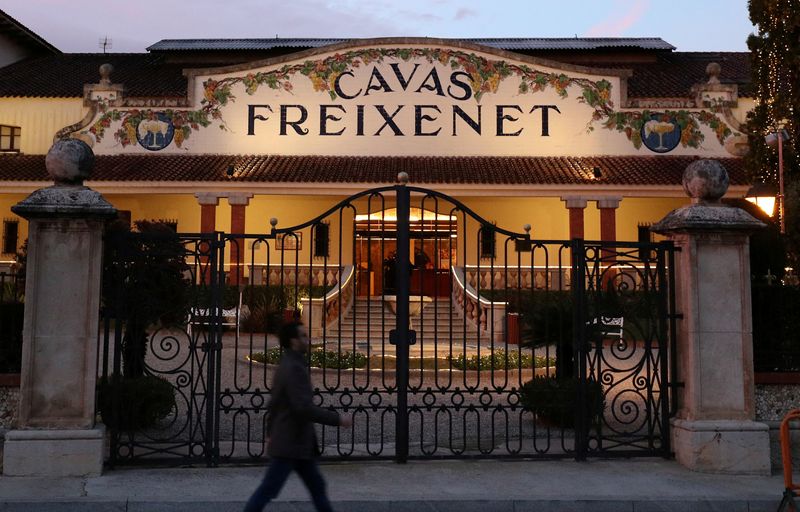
column 69, row 161
column 105, row 73
column 713, row 70
column 705, row 181
column 527, row 228
column 402, row 178
column 273, row 222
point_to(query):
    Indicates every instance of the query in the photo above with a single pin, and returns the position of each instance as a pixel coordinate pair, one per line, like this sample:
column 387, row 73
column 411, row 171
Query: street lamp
column 772, row 139
column 763, row 196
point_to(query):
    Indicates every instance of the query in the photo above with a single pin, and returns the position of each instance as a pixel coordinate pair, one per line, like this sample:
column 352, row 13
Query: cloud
column 464, row 12
column 625, row 14
column 419, row 16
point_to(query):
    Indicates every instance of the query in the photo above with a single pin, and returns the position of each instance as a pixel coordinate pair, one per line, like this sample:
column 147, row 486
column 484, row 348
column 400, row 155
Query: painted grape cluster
column 485, row 78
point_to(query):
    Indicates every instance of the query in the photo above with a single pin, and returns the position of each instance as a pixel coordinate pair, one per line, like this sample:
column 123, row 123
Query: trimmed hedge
column 142, row 402
column 12, row 315
column 500, row 360
column 776, row 328
column 554, row 399
column 319, row 358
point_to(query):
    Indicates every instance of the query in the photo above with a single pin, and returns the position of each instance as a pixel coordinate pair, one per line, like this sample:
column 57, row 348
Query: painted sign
column 398, row 100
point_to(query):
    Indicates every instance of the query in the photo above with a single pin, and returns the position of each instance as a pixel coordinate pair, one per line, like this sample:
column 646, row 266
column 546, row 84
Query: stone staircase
column 369, row 322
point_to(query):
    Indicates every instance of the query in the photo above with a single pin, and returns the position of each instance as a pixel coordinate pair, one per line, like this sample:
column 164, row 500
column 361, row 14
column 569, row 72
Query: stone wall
column 774, row 401
column 772, row 404
column 9, row 407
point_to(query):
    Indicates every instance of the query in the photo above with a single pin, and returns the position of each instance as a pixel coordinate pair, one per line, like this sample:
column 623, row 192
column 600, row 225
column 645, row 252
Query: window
column 10, row 236
column 488, row 241
column 10, row 138
column 321, row 234
column 645, row 236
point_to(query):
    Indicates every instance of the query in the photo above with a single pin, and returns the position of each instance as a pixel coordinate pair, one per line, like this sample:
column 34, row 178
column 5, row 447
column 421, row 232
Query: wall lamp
column 763, row 195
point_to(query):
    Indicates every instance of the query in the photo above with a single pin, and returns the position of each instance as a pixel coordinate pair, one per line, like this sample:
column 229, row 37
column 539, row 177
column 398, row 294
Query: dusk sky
column 78, row 25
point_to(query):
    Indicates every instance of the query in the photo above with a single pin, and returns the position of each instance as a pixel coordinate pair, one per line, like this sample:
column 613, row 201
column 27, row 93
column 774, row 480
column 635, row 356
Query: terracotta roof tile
column 616, row 170
column 146, row 75
column 674, row 74
column 63, row 76
column 504, row 43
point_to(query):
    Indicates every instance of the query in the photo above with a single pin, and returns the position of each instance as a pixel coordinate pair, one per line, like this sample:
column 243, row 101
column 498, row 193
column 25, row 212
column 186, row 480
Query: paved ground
column 463, row 486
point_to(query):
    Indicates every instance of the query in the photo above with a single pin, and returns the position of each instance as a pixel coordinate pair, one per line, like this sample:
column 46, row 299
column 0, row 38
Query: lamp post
column 772, row 139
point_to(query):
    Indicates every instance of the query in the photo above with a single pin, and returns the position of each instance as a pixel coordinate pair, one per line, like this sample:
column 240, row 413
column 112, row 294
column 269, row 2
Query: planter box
column 9, row 380
column 777, row 378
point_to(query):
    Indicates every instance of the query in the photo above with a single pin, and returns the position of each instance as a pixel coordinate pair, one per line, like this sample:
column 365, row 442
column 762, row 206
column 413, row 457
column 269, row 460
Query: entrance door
column 432, row 235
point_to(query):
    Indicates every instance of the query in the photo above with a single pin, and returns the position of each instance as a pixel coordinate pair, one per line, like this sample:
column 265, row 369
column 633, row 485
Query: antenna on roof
column 105, row 43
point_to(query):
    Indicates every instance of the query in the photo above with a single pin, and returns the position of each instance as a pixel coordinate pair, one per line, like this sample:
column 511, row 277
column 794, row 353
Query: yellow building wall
column 547, row 216
column 290, row 211
column 40, row 119
column 549, row 220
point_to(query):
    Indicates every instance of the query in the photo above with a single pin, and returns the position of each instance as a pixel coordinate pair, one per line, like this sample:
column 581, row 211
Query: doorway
column 433, row 249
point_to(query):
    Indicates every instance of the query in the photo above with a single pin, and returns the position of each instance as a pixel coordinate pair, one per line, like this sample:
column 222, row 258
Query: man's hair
column 288, row 332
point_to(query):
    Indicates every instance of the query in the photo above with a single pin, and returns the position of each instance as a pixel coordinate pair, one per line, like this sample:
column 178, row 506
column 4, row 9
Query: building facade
column 576, row 137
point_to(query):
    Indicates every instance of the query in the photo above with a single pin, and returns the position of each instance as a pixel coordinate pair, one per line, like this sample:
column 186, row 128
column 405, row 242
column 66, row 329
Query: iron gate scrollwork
column 440, row 333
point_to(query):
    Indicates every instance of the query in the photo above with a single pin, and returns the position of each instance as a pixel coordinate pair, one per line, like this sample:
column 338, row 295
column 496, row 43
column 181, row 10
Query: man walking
column 291, row 440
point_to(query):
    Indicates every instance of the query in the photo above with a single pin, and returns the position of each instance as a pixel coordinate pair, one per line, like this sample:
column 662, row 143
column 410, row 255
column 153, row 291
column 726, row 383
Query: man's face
column 301, row 343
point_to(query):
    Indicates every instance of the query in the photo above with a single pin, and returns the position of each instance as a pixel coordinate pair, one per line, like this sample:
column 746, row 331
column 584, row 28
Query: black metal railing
column 443, row 337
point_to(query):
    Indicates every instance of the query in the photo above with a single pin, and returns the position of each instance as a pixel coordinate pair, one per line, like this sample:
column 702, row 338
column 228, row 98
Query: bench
column 201, row 316
column 610, row 327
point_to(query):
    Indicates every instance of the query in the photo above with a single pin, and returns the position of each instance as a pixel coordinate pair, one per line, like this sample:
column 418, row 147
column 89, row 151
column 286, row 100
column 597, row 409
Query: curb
column 544, row 505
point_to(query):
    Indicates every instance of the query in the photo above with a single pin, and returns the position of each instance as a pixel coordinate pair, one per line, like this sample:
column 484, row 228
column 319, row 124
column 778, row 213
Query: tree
column 145, row 284
column 775, row 59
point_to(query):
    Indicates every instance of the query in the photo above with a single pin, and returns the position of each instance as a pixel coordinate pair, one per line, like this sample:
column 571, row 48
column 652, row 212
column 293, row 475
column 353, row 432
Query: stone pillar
column 56, row 434
column 608, row 233
column 238, row 204
column 608, row 218
column 575, row 206
column 714, row 430
column 208, row 220
column 208, row 210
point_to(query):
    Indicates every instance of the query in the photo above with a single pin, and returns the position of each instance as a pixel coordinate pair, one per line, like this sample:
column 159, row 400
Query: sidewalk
column 440, row 486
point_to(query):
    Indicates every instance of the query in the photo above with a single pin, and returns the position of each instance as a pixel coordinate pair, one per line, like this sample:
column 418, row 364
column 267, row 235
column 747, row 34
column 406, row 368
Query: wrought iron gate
column 442, row 334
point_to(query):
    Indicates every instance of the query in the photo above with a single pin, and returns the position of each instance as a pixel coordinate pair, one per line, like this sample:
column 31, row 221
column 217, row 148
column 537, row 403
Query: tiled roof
column 503, row 43
column 673, row 74
column 144, row 75
column 63, row 76
column 616, row 170
column 239, row 44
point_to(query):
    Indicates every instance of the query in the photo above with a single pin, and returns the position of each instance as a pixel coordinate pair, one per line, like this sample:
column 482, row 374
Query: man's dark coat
column 290, row 425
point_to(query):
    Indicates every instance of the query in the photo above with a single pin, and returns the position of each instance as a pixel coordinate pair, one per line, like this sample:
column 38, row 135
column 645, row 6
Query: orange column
column 575, row 205
column 238, row 204
column 608, row 231
column 208, row 220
